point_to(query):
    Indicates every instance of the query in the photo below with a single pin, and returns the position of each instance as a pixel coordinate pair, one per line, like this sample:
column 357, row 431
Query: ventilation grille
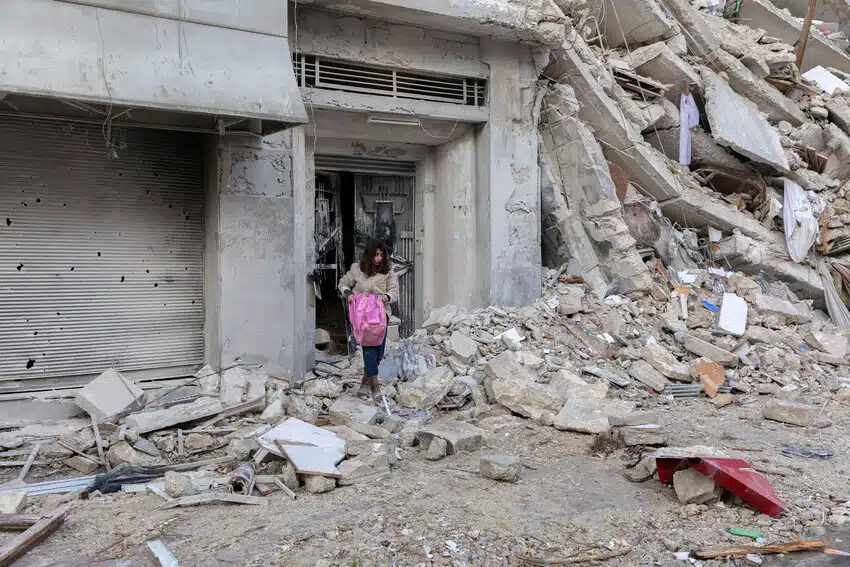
column 365, row 165
column 322, row 73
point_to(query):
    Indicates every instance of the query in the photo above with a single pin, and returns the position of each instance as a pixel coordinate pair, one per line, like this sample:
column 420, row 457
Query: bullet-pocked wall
column 259, row 210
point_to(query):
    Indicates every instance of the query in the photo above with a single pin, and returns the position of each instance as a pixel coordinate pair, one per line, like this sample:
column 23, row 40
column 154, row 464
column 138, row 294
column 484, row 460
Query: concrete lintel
column 666, row 67
column 365, row 103
column 527, row 21
column 697, row 209
column 394, row 151
column 704, row 150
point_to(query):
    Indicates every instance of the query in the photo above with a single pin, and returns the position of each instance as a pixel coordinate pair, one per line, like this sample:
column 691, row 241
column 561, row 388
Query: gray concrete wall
column 512, row 176
column 108, row 56
column 425, row 218
column 258, row 253
column 763, row 14
column 535, row 21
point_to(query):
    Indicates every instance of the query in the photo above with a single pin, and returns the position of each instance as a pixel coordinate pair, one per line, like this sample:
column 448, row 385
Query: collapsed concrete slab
column 765, row 96
column 819, row 50
column 659, row 62
column 704, row 149
column 621, row 142
column 737, row 123
column 700, row 39
column 634, row 22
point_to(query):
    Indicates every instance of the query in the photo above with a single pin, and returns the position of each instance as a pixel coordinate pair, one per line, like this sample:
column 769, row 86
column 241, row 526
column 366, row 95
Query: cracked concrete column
column 259, row 211
column 509, row 178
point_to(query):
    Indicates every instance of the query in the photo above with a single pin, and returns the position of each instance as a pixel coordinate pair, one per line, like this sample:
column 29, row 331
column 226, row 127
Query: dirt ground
column 567, row 502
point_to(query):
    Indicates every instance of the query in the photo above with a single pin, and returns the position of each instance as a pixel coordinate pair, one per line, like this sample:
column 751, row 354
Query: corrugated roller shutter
column 101, row 260
column 365, row 165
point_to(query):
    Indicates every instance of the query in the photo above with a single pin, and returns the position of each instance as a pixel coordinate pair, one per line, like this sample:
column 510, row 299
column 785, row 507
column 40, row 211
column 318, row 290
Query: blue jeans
column 372, row 356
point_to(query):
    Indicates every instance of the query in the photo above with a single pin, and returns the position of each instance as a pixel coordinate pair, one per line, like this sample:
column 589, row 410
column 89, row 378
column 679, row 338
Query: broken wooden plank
column 214, row 497
column 10, row 522
column 180, row 442
column 165, row 557
column 80, row 453
column 24, row 542
column 99, row 442
column 5, row 464
column 30, row 460
column 768, row 549
column 286, row 490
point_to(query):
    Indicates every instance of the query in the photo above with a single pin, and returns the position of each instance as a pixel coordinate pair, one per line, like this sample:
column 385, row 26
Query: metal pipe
column 242, row 480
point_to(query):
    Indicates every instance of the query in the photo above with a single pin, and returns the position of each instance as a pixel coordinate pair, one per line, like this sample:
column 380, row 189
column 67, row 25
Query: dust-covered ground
column 569, row 503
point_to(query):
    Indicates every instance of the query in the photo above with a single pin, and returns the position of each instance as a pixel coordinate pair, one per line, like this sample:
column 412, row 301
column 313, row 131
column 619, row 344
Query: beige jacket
column 379, row 284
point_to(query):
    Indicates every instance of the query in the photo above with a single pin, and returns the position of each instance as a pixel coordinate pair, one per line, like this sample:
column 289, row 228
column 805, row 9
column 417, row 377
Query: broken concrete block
column 587, row 410
column 208, row 380
column 322, row 338
column 563, row 381
column 178, row 485
column 318, row 484
column 322, row 388
column 353, row 470
column 84, row 466
column 241, row 448
column 641, row 371
column 241, row 384
column 110, row 396
column 346, row 433
column 122, row 452
column 661, row 360
column 463, row 347
column 13, row 502
column 514, row 387
column 437, row 449
column 737, row 123
column 659, row 62
column 693, row 488
column 733, row 314
column 779, row 311
column 834, row 344
column 633, row 418
column 460, row 437
column 701, row 348
column 274, row 411
column 370, row 431
column 500, row 467
column 345, row 411
column 644, row 436
column 440, row 317
column 426, row 391
column 305, row 408
column 795, row 413
column 148, row 421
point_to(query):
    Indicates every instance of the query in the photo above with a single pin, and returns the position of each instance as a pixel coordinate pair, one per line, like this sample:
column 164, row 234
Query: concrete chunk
column 514, row 387
column 349, row 410
column 659, row 62
column 146, row 422
column 781, row 311
column 634, row 418
column 661, row 360
column 110, row 396
column 463, row 347
column 241, row 385
column 641, row 371
column 460, row 437
column 637, row 21
column 588, row 411
column 733, row 314
column 693, row 488
column 701, row 348
column 318, row 484
column 795, row 413
column 737, row 123
column 13, row 502
column 500, row 467
column 428, row 390
column 834, row 344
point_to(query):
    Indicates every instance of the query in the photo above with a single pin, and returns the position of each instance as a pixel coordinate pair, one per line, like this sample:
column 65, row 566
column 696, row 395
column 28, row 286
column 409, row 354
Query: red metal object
column 735, row 475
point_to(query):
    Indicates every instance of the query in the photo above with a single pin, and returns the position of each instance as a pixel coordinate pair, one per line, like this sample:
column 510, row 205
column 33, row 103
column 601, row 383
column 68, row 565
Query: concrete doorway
column 357, row 200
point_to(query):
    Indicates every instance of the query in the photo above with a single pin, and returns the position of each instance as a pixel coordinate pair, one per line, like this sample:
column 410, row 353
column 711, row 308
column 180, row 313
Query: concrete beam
column 704, row 150
column 819, row 50
column 621, row 143
column 365, row 103
column 657, row 61
column 527, row 21
column 352, row 38
column 71, row 51
column 355, row 126
column 395, row 151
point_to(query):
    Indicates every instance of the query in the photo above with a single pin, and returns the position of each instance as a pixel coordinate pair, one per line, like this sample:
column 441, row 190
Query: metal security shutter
column 101, row 259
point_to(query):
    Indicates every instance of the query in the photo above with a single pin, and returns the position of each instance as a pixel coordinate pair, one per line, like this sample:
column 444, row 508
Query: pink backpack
column 368, row 319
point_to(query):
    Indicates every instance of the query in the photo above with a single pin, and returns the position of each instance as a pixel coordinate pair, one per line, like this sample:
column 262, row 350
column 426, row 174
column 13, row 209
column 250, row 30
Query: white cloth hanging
column 800, row 220
column 688, row 119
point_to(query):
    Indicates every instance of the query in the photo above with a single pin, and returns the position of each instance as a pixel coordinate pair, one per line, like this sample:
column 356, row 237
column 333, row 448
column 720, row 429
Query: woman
column 374, row 275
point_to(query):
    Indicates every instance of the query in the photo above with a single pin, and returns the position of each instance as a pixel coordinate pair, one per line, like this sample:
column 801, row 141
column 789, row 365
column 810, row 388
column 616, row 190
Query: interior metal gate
column 101, row 253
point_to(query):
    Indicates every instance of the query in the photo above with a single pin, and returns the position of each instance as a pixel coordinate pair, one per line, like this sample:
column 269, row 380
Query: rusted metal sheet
column 621, row 180
column 642, row 225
